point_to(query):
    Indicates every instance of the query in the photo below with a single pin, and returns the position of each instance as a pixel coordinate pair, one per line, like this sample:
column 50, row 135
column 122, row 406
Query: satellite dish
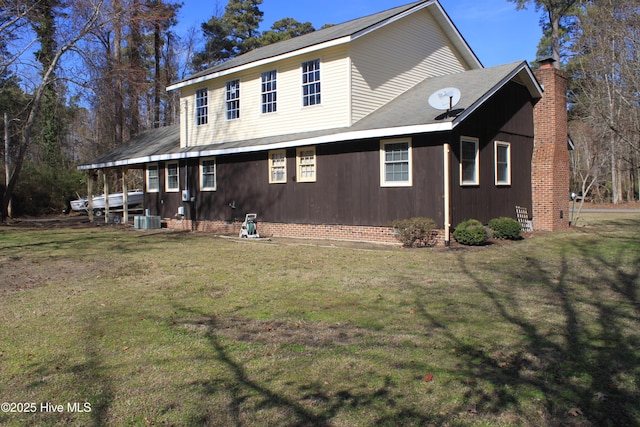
column 445, row 98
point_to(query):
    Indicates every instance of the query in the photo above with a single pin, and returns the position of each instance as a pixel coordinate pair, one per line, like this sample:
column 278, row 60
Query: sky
column 494, row 29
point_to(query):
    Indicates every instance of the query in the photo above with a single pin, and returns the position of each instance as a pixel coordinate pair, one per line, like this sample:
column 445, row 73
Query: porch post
column 447, row 194
column 125, row 197
column 106, row 195
column 90, row 177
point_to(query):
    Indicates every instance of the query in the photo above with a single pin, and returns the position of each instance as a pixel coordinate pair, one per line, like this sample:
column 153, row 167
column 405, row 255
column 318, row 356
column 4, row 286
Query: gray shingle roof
column 317, row 37
column 351, row 28
column 408, row 113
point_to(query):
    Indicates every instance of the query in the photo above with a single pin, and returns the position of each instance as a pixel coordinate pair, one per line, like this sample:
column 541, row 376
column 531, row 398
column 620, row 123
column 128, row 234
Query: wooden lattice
column 523, row 218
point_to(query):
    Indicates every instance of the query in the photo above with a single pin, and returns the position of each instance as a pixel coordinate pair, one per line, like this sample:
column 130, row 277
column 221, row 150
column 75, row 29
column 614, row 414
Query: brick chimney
column 550, row 164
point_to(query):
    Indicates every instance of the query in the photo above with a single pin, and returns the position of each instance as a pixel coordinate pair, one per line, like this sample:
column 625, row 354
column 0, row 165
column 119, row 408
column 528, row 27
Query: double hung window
column 233, row 99
column 395, row 163
column 202, row 106
column 172, row 177
column 502, row 153
column 269, row 96
column 469, row 161
column 306, row 164
column 311, row 82
column 208, row 174
column 153, row 179
column 277, row 166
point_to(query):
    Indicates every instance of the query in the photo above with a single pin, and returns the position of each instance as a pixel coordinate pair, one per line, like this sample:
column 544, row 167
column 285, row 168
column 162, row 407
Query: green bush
column 505, row 228
column 470, row 232
column 414, row 232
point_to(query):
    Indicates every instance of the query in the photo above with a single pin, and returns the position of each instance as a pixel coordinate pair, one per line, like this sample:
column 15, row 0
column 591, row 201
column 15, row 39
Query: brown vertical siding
column 347, row 188
column 495, row 121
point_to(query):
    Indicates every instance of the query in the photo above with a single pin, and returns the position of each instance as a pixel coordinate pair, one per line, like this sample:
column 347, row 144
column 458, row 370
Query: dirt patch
column 307, row 334
column 17, row 274
column 51, row 222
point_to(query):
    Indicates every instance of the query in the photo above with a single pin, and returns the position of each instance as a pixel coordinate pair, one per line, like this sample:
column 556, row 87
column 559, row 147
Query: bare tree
column 607, row 83
column 84, row 16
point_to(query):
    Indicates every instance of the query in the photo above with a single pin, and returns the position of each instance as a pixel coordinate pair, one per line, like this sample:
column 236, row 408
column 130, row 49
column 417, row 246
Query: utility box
column 147, row 222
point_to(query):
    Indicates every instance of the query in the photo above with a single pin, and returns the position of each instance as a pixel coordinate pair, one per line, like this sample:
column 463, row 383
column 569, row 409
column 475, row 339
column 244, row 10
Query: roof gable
column 331, row 36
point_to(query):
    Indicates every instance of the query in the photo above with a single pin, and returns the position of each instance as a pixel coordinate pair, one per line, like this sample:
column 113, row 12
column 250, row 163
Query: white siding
column 291, row 116
column 390, row 60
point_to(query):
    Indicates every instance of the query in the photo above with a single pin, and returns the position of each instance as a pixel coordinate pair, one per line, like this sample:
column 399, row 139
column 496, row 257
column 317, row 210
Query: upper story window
column 153, row 179
column 277, row 166
column 395, row 163
column 269, row 98
column 233, row 100
column 502, row 155
column 306, row 164
column 469, row 161
column 311, row 82
column 202, row 106
column 172, row 172
column 208, row 174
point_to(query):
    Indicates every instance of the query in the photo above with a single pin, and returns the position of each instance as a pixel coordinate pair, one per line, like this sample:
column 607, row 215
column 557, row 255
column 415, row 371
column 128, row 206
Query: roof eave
column 261, row 62
column 300, row 142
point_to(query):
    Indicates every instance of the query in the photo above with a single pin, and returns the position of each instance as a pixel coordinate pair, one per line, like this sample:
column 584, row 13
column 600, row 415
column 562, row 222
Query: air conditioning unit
column 147, row 222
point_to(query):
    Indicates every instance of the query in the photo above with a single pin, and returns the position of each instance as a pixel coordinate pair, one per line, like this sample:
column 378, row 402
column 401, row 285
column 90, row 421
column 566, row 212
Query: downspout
column 184, row 122
column 447, row 195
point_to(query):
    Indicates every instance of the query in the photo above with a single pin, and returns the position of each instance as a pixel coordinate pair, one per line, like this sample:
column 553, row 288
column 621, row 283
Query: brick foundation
column 551, row 175
column 352, row 233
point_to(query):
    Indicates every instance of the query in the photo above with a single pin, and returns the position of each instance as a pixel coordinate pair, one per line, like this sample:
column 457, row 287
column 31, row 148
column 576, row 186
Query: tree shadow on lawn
column 307, row 402
column 584, row 361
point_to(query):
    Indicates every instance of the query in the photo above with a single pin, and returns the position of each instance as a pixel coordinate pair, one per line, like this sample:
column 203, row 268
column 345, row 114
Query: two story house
column 337, row 133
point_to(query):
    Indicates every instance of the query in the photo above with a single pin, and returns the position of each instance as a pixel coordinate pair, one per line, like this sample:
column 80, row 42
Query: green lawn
column 159, row 328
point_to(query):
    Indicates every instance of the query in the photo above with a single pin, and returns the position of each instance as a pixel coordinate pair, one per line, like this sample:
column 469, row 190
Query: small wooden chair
column 523, row 218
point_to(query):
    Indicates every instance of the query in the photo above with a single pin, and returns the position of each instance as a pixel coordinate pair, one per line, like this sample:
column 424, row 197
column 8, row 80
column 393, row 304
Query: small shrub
column 415, row 232
column 505, row 228
column 470, row 232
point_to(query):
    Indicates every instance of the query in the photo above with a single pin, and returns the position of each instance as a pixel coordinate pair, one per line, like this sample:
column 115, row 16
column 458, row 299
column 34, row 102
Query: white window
column 311, row 82
column 502, row 153
column 277, row 166
column 202, row 106
column 269, row 96
column 172, row 177
column 153, row 179
column 233, row 100
column 395, row 163
column 469, row 161
column 208, row 174
column 306, row 164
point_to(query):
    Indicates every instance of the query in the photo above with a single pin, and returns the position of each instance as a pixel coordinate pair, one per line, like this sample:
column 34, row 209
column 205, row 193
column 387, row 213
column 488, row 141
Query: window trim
column 265, row 103
column 476, row 143
column 272, row 153
column 166, row 177
column 232, row 99
column 201, row 174
column 155, row 167
column 299, row 164
column 318, row 82
column 507, row 145
column 202, row 110
column 383, row 162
